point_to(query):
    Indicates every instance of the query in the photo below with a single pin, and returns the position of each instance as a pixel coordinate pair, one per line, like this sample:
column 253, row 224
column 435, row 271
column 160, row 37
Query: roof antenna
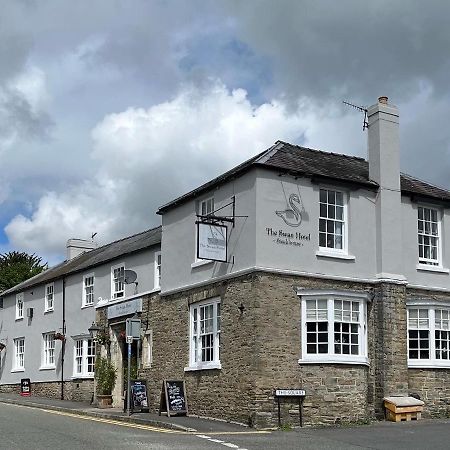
column 93, row 236
column 362, row 109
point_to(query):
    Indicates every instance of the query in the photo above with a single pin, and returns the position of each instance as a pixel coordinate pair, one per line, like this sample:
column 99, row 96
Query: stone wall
column 76, row 390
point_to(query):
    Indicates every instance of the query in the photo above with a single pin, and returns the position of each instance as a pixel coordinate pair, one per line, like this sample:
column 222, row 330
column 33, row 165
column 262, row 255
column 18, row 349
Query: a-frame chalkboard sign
column 173, row 398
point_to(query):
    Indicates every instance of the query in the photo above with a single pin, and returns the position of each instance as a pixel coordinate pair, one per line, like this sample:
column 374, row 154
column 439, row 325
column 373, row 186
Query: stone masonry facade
column 260, row 349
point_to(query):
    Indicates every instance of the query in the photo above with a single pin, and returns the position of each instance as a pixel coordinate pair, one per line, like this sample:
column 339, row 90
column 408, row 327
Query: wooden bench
column 403, row 408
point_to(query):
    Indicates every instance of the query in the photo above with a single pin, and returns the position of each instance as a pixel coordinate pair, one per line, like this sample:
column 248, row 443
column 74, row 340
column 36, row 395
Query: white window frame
column 331, row 357
column 200, row 210
column 345, row 223
column 114, row 293
column 147, row 356
column 88, row 294
column 19, row 355
column 431, row 307
column 423, row 262
column 195, row 357
column 157, row 272
column 48, row 357
column 82, row 359
column 49, row 303
column 19, row 306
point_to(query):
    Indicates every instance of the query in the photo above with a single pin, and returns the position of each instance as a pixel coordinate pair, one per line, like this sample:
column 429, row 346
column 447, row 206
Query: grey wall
column 78, row 319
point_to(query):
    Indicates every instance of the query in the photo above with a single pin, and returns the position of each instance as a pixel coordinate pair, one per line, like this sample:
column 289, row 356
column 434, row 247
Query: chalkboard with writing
column 173, row 398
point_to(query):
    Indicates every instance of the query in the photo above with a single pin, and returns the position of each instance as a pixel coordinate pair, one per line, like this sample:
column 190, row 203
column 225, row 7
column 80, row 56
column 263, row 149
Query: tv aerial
column 362, row 109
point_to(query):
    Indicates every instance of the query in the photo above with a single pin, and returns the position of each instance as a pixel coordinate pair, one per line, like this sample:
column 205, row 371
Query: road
column 29, row 428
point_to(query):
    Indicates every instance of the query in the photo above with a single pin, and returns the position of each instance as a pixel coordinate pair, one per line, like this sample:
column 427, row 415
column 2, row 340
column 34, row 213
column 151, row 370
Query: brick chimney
column 384, row 168
column 76, row 247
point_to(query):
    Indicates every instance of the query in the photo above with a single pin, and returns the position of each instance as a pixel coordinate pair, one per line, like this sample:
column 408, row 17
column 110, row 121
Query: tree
column 16, row 267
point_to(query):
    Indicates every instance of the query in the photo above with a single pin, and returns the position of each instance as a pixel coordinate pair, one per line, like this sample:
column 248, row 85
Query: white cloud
column 145, row 157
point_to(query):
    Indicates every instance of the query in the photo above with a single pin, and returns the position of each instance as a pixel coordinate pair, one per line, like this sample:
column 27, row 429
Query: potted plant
column 105, row 376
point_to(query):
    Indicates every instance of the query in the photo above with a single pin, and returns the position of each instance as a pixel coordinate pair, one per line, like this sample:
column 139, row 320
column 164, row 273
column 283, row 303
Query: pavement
column 189, row 423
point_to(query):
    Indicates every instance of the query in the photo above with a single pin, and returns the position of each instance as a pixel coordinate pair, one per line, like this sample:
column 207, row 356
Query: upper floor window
column 118, row 281
column 19, row 306
column 332, row 220
column 49, row 297
column 19, row 354
column 334, row 327
column 205, row 335
column 206, row 207
column 88, row 290
column 428, row 336
column 429, row 227
column 48, row 350
column 84, row 357
column 157, row 270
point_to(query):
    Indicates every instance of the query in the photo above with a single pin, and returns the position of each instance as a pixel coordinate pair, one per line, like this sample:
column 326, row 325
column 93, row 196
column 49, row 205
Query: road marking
column 226, row 444
column 114, row 422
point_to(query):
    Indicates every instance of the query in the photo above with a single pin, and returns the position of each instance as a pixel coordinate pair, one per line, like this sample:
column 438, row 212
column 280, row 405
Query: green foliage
column 16, row 267
column 105, row 376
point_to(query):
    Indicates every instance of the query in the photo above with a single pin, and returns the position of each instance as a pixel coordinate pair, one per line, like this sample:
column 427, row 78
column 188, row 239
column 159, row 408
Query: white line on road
column 226, row 444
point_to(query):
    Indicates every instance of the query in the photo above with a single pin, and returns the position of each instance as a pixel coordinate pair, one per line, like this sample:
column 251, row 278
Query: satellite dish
column 130, row 276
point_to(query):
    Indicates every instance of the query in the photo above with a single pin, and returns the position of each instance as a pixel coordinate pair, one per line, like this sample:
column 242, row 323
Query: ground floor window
column 428, row 336
column 84, row 357
column 205, row 335
column 333, row 326
column 48, row 350
column 19, row 354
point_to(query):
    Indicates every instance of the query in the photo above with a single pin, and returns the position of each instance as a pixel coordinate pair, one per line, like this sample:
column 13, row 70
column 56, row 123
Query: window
column 84, row 358
column 48, row 350
column 157, row 270
column 205, row 335
column 19, row 354
column 19, row 306
column 118, row 285
column 429, row 226
column 333, row 326
column 332, row 220
column 49, row 297
column 206, row 207
column 88, row 290
column 428, row 336
column 147, row 348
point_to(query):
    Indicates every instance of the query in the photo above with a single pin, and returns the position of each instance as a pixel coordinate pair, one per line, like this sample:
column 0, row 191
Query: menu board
column 173, row 398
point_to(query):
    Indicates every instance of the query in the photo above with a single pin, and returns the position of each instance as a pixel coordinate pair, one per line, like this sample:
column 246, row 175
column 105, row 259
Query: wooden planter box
column 104, row 401
column 403, row 408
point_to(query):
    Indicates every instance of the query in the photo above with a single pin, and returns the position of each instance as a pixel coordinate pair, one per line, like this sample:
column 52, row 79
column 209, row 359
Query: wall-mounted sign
column 292, row 215
column 283, row 237
column 211, row 241
column 125, row 308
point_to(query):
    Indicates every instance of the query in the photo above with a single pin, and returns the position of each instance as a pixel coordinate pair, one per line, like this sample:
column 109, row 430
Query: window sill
column 19, row 318
column 333, row 360
column 328, row 254
column 87, row 306
column 47, row 368
column 429, row 268
column 424, row 364
column 18, row 370
column 212, row 366
column 82, row 377
column 48, row 311
column 200, row 263
column 156, row 289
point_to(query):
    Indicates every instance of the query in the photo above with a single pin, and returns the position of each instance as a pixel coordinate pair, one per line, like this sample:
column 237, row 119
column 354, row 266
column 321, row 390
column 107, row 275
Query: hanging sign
column 211, row 241
column 173, row 398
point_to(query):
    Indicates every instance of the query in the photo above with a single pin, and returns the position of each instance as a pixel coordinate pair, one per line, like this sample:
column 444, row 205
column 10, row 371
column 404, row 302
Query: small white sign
column 290, row 393
column 211, row 241
column 129, row 339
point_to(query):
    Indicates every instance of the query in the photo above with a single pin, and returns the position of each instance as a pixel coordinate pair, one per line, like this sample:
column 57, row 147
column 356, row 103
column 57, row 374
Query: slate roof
column 92, row 258
column 319, row 165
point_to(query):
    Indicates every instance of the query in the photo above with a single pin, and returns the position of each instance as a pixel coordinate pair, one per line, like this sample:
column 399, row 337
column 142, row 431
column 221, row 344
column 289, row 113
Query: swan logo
column 292, row 215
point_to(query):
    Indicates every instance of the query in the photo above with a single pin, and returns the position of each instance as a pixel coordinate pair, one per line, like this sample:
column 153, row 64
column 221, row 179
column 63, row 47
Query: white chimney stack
column 76, row 247
column 384, row 169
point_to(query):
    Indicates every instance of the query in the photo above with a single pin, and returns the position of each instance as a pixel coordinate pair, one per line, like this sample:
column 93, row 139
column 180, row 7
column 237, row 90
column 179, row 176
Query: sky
column 110, row 108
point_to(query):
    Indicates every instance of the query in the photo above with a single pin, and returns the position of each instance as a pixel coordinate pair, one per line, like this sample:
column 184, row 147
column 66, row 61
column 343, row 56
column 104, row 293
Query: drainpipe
column 63, row 345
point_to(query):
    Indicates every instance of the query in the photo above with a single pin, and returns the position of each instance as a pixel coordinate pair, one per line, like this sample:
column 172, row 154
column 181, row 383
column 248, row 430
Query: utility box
column 403, row 408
